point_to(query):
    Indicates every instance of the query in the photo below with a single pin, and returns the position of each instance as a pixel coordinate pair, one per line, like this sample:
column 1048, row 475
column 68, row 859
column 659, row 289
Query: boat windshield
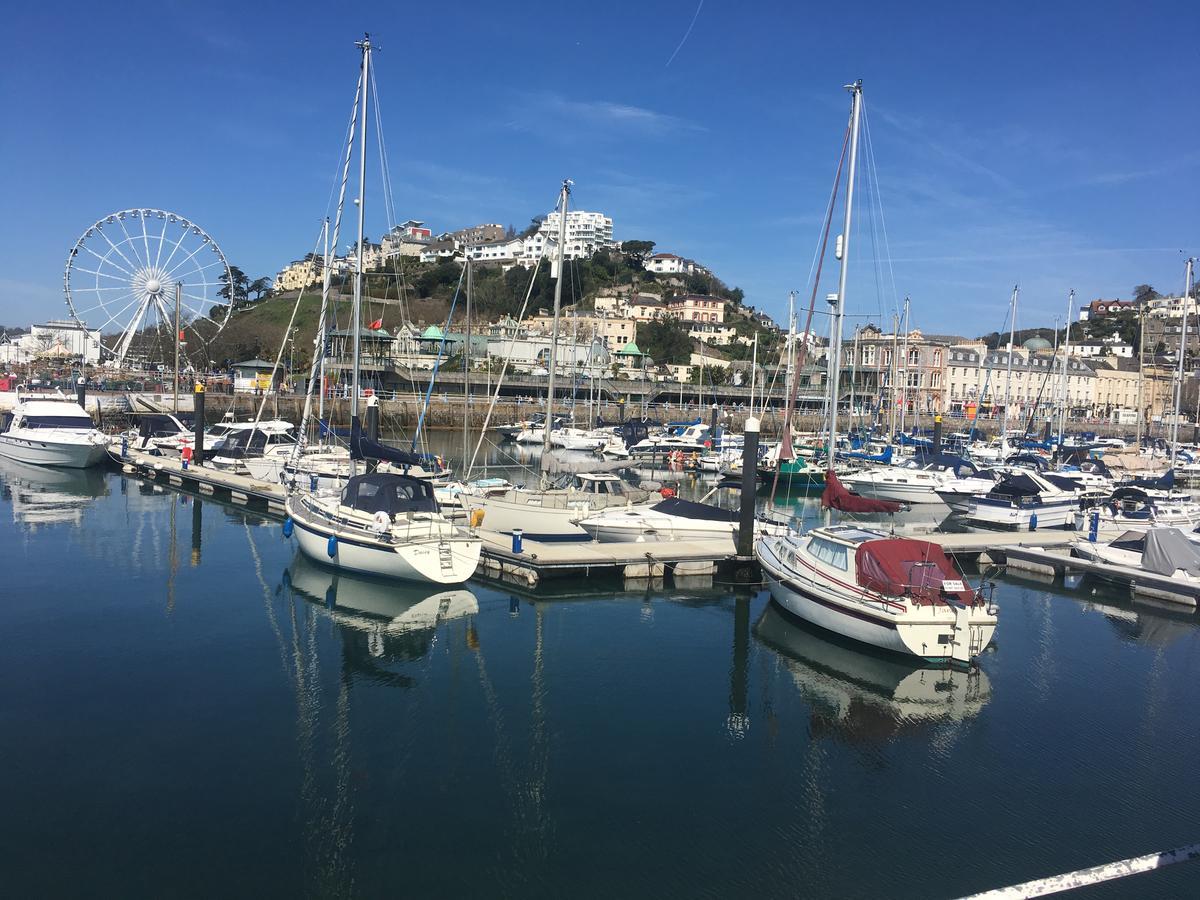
column 82, row 422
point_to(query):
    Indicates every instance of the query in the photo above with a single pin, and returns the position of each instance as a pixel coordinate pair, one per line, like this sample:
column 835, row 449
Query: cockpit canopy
column 390, row 493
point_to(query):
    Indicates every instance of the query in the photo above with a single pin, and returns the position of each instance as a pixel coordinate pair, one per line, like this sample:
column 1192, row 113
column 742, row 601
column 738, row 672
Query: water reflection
column 862, row 697
column 379, row 621
column 45, row 495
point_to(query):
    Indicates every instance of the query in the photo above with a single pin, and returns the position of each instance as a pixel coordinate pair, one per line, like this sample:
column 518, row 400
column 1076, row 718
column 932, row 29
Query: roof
column 630, row 349
column 432, row 333
column 256, row 364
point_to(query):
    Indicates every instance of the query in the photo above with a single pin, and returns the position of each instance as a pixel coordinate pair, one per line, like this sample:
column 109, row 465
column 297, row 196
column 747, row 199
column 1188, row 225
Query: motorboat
column 569, row 438
column 265, row 448
column 553, row 514
column 893, row 593
column 1132, row 508
column 957, row 493
column 1162, row 551
column 383, row 524
column 681, row 437
column 1024, row 502
column 916, row 481
column 155, row 431
column 56, row 431
column 671, row 519
column 49, row 495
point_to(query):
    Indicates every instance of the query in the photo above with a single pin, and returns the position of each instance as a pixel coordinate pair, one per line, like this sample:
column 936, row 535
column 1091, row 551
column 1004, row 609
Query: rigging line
column 868, row 198
column 887, row 248
column 437, row 362
column 687, row 34
column 795, row 386
column 385, row 173
column 284, row 342
column 512, row 340
column 327, row 276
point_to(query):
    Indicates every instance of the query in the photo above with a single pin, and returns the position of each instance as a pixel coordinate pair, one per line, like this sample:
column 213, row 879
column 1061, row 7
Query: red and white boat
column 894, row 593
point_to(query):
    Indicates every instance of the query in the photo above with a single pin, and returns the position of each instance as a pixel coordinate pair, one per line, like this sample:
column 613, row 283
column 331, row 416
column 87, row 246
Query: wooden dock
column 693, row 561
column 204, row 480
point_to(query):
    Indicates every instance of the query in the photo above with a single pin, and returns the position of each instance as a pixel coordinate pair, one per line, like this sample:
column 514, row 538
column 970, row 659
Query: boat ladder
column 445, row 556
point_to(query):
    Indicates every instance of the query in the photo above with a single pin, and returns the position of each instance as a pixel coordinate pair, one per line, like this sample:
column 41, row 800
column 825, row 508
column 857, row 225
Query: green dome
column 1037, row 343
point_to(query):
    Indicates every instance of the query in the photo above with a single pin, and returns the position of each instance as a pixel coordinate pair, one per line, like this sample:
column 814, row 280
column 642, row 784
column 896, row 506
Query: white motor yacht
column 51, row 432
column 917, row 481
column 1024, row 501
column 1131, row 508
column 897, row 594
column 384, row 524
column 685, row 438
column 578, row 439
column 671, row 519
column 155, row 431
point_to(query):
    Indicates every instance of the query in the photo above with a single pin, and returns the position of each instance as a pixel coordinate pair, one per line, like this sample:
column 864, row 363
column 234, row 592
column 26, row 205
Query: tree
column 534, row 226
column 259, row 286
column 665, row 340
column 235, row 293
column 737, row 295
column 636, row 253
column 1144, row 292
column 698, row 283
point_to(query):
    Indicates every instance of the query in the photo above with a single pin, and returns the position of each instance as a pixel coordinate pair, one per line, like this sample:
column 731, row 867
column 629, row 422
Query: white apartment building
column 1036, row 380
column 670, row 264
column 587, row 232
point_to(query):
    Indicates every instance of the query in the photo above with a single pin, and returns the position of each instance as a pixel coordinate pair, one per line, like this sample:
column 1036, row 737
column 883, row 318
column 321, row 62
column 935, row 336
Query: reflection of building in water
column 45, row 495
column 866, row 697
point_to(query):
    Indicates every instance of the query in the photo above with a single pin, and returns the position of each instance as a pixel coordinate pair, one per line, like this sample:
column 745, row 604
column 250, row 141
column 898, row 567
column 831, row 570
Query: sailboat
column 552, row 510
column 381, row 523
column 900, row 595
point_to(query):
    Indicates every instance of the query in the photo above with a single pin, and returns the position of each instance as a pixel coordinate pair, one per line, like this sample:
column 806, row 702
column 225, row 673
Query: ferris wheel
column 137, row 272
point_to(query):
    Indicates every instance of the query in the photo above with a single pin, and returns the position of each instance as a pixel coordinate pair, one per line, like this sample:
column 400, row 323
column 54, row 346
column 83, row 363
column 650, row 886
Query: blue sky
column 1055, row 145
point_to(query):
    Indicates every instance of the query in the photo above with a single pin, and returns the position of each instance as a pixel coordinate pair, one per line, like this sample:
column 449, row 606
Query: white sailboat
column 383, row 524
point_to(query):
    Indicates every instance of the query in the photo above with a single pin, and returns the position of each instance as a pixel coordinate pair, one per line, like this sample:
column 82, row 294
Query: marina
column 806, row 475
column 359, row 722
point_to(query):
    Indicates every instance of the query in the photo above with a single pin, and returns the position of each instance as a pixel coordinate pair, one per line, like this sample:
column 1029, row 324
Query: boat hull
column 1060, row 514
column 418, row 561
column 67, row 455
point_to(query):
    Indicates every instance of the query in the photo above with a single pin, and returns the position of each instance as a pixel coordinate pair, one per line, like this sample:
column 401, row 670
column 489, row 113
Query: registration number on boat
column 953, row 585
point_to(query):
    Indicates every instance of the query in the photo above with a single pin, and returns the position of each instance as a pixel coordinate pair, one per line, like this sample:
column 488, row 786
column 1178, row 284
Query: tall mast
column 1187, row 294
column 558, row 283
column 1012, row 337
column 1066, row 378
column 1141, row 368
column 904, row 378
column 839, row 301
column 467, row 373
column 321, row 339
column 893, row 375
column 853, row 376
column 356, row 309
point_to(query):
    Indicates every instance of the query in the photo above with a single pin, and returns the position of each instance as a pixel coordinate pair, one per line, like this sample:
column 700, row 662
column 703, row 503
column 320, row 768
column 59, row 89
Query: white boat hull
column 417, row 560
column 49, row 452
column 1059, row 514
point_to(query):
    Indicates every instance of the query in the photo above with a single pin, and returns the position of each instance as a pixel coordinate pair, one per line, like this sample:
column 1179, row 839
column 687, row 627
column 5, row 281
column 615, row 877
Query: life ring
column 667, row 493
column 382, row 521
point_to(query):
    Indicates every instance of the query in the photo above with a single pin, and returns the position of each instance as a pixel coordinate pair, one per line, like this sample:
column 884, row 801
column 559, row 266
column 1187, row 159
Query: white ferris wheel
column 135, row 273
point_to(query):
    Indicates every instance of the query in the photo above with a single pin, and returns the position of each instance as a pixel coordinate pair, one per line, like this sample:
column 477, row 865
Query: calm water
column 189, row 709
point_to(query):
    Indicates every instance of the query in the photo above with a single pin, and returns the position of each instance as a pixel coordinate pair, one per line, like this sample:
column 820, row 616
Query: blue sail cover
column 1166, row 482
column 362, row 447
column 885, row 457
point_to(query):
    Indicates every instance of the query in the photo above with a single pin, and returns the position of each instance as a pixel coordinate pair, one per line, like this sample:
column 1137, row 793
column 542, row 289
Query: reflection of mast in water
column 1044, row 662
column 738, row 723
column 197, row 529
column 172, row 558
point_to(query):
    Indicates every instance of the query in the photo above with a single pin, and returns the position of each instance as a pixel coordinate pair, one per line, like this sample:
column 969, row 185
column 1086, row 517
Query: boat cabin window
column 834, row 554
column 56, row 422
column 391, row 494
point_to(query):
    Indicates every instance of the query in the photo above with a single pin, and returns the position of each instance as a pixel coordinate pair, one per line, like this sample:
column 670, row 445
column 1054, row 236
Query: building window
column 914, row 357
column 887, row 356
column 937, row 357
column 868, row 355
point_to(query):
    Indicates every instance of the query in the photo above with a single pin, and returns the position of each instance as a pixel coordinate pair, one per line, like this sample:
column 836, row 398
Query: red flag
column 376, row 325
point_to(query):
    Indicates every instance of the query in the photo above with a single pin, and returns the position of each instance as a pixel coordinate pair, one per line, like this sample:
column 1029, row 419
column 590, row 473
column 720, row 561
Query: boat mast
column 1187, row 295
column 853, row 376
column 562, row 270
column 1141, row 368
column 1012, row 337
column 321, row 339
column 904, row 378
column 467, row 373
column 1066, row 379
column 839, row 300
column 893, row 375
column 356, row 308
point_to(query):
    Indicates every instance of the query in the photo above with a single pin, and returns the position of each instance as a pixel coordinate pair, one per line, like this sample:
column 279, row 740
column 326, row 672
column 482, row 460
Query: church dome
column 1036, row 343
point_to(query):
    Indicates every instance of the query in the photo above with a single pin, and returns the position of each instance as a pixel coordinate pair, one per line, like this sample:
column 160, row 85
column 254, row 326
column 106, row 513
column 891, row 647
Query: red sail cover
column 836, row 496
column 899, row 566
